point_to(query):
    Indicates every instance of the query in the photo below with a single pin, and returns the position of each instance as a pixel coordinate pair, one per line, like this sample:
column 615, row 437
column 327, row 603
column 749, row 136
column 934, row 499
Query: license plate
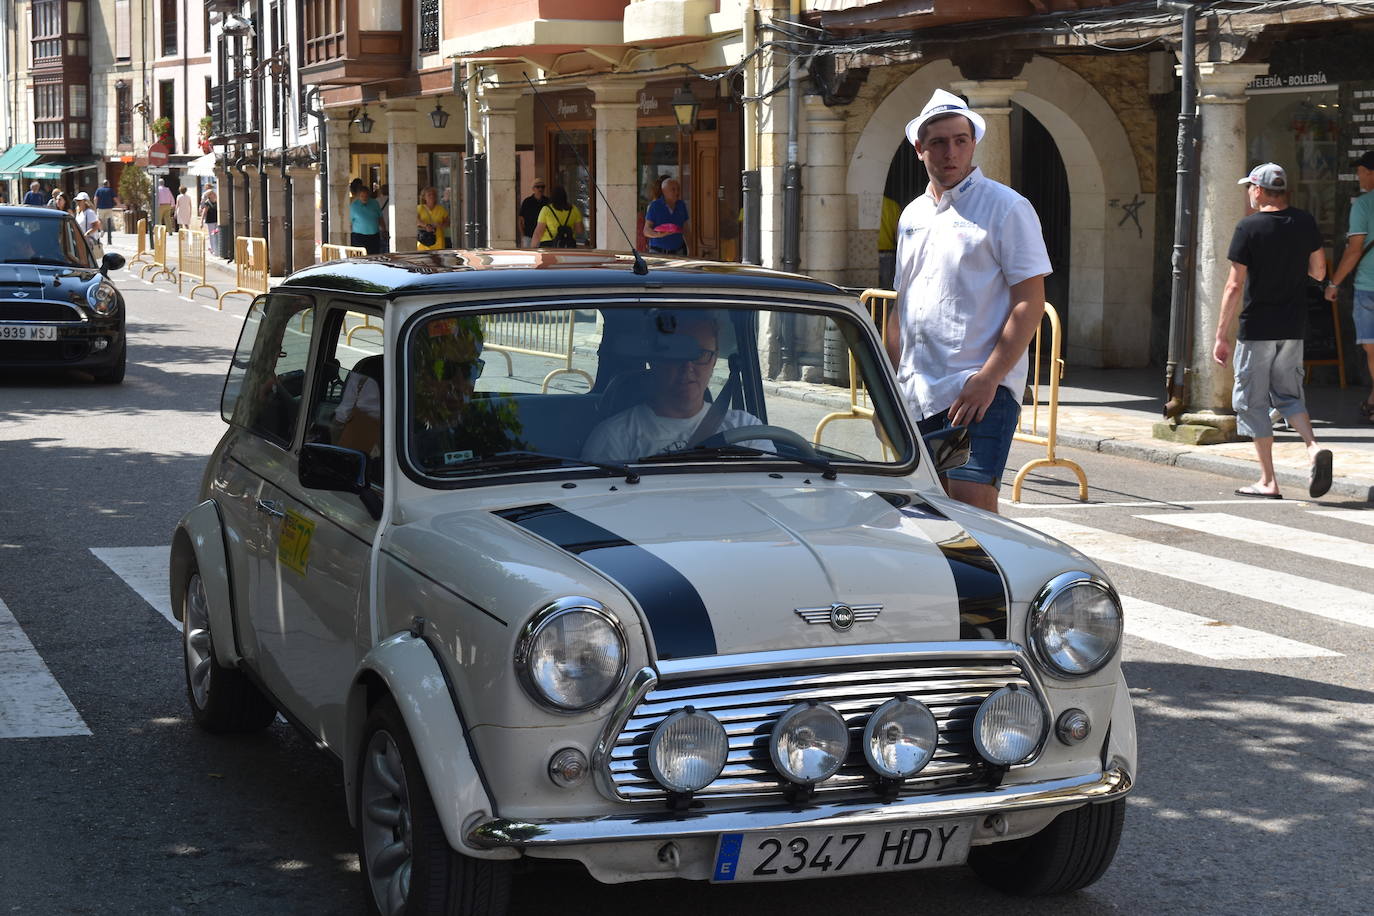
column 793, row 854
column 27, row 332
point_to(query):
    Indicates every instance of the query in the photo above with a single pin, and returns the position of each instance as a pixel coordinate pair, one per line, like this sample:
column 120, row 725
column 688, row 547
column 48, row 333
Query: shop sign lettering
column 647, row 104
column 1288, row 82
column 566, row 108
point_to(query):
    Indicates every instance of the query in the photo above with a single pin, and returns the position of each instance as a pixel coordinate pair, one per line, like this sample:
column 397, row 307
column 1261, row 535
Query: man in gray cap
column 970, row 277
column 1273, row 252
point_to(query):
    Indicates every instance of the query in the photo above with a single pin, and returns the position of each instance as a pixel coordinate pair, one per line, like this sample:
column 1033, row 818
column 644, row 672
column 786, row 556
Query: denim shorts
column 989, row 438
column 1364, row 316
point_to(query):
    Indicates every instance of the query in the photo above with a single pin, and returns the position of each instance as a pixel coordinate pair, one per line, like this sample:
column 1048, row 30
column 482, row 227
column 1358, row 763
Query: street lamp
column 438, row 117
column 365, row 123
column 685, row 106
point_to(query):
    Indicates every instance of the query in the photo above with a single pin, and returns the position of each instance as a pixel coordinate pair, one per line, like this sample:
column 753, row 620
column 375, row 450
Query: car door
column 312, row 593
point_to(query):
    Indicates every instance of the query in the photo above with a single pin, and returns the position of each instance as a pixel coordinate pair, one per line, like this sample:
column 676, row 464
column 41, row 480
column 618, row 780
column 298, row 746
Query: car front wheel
column 113, row 374
column 406, row 859
column 222, row 699
column 1069, row 854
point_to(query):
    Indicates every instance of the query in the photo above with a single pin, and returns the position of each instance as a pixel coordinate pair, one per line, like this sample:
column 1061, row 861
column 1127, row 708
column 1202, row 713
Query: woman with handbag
column 431, row 217
column 559, row 221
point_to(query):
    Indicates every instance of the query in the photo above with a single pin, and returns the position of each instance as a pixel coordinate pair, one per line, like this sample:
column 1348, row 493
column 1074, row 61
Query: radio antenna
column 641, row 269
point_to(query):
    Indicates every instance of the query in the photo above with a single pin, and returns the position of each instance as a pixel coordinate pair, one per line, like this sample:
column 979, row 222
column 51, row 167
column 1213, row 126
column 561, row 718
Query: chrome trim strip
column 495, row 833
column 747, row 662
column 641, row 682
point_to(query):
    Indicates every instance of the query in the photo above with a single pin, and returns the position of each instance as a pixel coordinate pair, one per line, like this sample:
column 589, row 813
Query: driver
column 15, row 244
column 676, row 405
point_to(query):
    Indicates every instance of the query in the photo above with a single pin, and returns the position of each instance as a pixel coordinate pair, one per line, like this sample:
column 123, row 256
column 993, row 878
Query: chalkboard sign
column 1322, row 342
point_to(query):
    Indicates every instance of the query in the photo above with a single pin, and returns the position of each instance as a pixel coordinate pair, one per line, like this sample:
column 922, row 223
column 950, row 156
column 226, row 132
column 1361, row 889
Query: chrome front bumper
column 493, row 833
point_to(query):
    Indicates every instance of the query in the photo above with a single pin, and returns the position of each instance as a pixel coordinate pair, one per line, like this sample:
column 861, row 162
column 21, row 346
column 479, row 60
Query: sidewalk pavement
column 1113, row 411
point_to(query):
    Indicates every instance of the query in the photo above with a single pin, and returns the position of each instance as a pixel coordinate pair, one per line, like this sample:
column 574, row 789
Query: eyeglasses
column 703, row 359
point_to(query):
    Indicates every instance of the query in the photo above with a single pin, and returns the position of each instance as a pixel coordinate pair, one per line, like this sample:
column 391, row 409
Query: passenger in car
column 358, row 418
column 672, row 417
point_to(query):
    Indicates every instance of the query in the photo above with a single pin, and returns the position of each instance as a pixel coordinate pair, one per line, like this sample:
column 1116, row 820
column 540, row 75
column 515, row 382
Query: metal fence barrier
column 158, row 264
column 547, row 334
column 339, row 252
column 877, row 302
column 143, row 255
column 250, row 267
column 191, row 244
column 1031, row 432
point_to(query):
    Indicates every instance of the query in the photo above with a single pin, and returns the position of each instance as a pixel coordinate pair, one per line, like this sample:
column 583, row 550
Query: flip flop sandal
column 1257, row 494
column 1319, row 481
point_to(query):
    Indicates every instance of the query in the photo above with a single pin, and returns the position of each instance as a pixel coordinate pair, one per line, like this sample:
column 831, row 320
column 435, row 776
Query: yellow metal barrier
column 878, row 303
column 158, row 265
column 143, row 255
column 191, row 259
column 339, row 252
column 250, row 267
column 547, row 334
column 1031, row 433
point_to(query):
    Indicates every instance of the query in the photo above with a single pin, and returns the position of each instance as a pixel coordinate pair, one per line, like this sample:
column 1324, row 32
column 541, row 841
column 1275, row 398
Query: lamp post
column 438, row 117
column 685, row 107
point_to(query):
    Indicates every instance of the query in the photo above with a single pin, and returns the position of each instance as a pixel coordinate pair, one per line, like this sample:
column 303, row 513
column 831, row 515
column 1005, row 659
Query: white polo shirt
column 957, row 259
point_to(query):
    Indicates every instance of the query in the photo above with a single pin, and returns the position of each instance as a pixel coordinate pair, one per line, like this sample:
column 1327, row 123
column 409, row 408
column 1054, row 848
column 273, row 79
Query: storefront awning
column 15, row 158
column 56, row 168
column 203, row 167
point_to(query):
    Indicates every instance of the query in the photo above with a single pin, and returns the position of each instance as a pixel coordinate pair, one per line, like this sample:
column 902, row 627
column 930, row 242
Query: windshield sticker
column 457, row 457
column 293, row 547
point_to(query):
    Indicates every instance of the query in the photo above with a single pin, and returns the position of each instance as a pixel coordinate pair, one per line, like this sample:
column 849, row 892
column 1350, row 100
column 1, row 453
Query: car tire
column 406, row 859
column 113, row 374
column 222, row 699
column 1069, row 854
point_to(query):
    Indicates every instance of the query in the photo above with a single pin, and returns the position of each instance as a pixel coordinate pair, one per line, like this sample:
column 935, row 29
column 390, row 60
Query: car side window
column 266, row 380
column 347, row 406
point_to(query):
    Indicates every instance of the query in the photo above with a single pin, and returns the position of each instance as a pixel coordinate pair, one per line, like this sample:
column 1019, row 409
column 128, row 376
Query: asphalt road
column 1252, row 682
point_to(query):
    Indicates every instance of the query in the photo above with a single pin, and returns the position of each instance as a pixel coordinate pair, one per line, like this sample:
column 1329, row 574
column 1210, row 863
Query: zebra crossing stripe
column 1310, row 596
column 1210, row 638
column 1359, row 516
column 145, row 570
column 32, row 703
column 1267, row 534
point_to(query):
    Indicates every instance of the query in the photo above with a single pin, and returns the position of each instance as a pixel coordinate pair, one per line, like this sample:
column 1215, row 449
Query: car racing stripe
column 978, row 582
column 676, row 614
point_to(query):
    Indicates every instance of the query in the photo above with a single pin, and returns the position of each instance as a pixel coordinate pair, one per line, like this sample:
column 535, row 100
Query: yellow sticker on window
column 293, row 547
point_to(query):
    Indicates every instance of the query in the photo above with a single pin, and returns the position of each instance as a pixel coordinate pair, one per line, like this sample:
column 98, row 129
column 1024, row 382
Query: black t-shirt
column 529, row 211
column 1274, row 246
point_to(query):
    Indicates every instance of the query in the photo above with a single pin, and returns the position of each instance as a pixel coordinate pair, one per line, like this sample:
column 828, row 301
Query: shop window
column 1298, row 129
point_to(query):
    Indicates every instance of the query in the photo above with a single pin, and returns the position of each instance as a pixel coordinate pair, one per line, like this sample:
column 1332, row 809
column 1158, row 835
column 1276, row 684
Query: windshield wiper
column 535, row 459
column 735, row 450
column 37, row 260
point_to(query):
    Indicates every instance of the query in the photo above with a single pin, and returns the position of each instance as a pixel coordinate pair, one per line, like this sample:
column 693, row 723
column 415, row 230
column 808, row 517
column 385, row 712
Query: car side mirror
column 112, row 260
column 342, row 470
column 949, row 448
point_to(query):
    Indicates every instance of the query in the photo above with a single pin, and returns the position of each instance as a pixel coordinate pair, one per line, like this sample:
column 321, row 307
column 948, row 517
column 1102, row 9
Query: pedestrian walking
column 1356, row 262
column 164, row 205
column 1273, row 253
column 59, row 201
column 365, row 219
column 209, row 218
column 529, row 212
column 970, row 275
column 89, row 223
column 183, row 208
column 105, row 202
column 665, row 219
column 35, row 196
column 559, row 221
column 431, row 219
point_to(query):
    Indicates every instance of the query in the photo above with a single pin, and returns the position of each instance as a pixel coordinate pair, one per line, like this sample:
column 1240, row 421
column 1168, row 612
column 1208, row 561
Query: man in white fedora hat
column 970, row 278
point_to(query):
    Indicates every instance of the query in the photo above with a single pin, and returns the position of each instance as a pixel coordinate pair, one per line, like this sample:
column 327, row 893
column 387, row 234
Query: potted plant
column 162, row 128
column 206, row 125
column 134, row 187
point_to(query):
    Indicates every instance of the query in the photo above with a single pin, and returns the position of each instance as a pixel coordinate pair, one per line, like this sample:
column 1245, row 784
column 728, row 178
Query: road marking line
column 1147, row 503
column 145, row 570
column 1210, row 638
column 32, row 703
column 1267, row 534
column 1360, row 516
column 1335, row 602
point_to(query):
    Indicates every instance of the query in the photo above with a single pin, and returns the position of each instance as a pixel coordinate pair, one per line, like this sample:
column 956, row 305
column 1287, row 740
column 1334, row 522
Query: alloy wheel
column 386, row 823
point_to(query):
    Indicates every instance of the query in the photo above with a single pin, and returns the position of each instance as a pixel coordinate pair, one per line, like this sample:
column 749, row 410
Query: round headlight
column 102, row 298
column 1075, row 624
column 571, row 656
column 687, row 750
column 900, row 738
column 810, row 742
column 1009, row 726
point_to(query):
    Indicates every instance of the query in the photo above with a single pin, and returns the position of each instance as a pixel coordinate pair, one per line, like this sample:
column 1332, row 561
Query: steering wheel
column 778, row 434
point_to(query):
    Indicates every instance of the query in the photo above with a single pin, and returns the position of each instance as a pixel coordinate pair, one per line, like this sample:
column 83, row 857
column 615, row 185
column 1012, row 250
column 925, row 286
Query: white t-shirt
column 87, row 219
column 361, row 394
column 957, row 260
column 638, row 432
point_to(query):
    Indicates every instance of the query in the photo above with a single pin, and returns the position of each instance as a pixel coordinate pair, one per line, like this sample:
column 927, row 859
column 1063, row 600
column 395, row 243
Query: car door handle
column 271, row 507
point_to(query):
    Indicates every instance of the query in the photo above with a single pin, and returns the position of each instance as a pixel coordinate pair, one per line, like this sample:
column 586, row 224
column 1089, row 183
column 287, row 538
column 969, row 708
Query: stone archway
column 1112, row 222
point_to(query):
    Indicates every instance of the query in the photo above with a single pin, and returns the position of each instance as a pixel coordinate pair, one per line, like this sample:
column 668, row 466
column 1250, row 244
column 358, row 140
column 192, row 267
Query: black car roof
column 539, row 269
column 32, row 212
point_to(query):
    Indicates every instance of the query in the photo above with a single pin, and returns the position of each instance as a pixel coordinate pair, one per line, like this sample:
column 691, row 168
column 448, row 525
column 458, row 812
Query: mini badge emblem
column 20, row 294
column 841, row 617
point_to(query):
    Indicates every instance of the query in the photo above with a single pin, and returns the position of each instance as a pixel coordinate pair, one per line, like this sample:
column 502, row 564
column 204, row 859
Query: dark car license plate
column 792, row 854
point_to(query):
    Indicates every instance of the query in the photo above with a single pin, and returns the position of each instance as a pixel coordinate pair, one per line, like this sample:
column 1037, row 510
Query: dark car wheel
column 1069, row 854
column 406, row 859
column 113, row 374
column 222, row 699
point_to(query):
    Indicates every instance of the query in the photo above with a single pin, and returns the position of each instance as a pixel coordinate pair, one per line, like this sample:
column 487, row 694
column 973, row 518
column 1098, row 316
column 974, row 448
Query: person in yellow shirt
column 432, row 218
column 558, row 214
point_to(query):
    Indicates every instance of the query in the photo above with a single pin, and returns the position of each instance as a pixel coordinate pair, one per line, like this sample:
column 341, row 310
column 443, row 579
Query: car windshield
column 610, row 387
column 29, row 240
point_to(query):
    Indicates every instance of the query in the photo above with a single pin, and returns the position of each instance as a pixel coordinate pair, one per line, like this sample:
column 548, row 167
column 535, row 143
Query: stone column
column 276, row 222
column 992, row 100
column 498, row 133
column 1221, row 204
column 616, row 139
column 825, row 235
column 401, row 175
column 305, row 217
column 336, row 138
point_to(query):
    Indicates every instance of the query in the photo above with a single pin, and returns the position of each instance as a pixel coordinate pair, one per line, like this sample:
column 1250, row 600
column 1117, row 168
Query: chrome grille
column 748, row 709
column 38, row 310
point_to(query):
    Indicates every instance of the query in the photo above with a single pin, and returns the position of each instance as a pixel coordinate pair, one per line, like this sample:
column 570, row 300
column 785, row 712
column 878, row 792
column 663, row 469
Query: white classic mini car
column 534, row 545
